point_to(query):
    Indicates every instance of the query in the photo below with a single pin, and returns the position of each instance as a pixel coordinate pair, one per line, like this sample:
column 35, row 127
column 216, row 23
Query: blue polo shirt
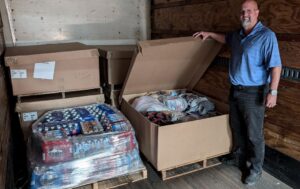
column 252, row 56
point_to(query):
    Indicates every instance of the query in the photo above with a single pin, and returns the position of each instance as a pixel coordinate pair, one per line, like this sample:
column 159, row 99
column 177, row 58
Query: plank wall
column 5, row 169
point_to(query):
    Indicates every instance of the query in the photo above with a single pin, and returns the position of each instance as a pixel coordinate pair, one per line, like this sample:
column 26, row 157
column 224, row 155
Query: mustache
column 245, row 22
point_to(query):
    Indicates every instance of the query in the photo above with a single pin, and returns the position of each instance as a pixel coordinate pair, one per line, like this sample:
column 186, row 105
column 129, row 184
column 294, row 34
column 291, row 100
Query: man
column 255, row 68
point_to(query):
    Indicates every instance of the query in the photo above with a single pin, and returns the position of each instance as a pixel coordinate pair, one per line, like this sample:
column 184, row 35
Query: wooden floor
column 219, row 177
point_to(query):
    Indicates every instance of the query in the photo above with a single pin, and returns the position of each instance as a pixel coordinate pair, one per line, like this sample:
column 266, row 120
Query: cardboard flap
column 48, row 52
column 58, row 103
column 169, row 64
column 192, row 141
column 116, row 51
column 42, row 49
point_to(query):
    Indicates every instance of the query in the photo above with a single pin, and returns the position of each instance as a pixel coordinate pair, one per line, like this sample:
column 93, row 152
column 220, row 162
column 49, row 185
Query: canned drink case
column 82, row 112
column 54, row 135
column 56, row 116
column 56, row 151
column 47, row 178
column 70, row 128
column 106, row 109
column 115, row 117
column 119, row 126
column 91, row 126
column 84, row 147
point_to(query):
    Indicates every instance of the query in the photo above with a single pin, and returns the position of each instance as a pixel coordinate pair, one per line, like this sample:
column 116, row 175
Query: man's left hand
column 271, row 101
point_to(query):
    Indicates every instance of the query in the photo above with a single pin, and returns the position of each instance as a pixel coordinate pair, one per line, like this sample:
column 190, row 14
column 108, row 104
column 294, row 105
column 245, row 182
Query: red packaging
column 128, row 138
column 57, row 151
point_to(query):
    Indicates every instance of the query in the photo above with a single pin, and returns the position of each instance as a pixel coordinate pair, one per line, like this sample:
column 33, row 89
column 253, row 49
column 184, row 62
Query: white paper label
column 30, row 116
column 44, row 70
column 18, row 74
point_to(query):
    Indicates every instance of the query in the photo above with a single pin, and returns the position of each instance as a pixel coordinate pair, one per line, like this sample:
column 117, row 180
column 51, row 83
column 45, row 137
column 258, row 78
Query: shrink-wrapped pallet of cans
column 81, row 145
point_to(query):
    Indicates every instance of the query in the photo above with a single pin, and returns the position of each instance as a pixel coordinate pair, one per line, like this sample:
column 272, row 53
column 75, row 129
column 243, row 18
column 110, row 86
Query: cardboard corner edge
column 134, row 56
column 9, row 61
column 146, row 132
column 95, row 52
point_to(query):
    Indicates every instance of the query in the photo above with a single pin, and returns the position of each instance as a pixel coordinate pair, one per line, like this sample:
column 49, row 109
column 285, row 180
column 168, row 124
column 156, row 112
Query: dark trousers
column 247, row 109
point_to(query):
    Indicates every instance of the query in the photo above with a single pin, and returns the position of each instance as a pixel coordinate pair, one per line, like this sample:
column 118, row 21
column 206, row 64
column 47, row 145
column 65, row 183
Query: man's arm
column 216, row 36
column 275, row 77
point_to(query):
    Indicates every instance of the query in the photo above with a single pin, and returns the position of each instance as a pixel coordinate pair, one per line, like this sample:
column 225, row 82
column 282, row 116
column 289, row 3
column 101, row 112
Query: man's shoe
column 252, row 178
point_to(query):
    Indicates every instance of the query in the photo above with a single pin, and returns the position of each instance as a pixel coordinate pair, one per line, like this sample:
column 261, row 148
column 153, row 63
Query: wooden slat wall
column 4, row 129
column 5, row 175
column 174, row 18
column 182, row 18
column 1, row 37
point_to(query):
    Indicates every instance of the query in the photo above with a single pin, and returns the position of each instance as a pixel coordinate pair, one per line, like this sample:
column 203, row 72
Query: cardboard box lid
column 169, row 64
column 58, row 103
column 117, row 51
column 49, row 51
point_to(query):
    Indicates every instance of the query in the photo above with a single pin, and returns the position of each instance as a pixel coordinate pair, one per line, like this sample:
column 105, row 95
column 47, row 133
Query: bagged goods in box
column 82, row 144
column 148, row 104
column 174, row 103
column 174, row 106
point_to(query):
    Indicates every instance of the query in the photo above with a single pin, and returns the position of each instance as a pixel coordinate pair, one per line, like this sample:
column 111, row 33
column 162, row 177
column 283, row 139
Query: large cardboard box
column 168, row 64
column 115, row 60
column 53, row 68
column 31, row 110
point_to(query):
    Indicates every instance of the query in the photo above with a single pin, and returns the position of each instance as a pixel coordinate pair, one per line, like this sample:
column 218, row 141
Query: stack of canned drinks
column 77, row 146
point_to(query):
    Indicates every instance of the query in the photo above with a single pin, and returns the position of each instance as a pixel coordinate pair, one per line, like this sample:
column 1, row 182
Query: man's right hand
column 216, row 36
column 203, row 35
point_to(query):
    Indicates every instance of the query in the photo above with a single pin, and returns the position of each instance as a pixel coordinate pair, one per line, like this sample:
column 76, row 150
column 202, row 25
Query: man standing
column 254, row 73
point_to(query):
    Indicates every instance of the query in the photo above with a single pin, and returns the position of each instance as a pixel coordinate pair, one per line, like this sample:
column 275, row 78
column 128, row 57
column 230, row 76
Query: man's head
column 249, row 14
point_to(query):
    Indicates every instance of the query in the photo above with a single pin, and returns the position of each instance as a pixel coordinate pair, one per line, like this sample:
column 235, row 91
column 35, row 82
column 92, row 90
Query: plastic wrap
column 78, row 132
column 85, row 170
column 148, row 104
column 198, row 104
column 80, row 145
column 174, row 103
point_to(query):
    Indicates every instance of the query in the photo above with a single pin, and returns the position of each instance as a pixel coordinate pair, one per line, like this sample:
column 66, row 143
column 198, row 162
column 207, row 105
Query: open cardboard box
column 169, row 64
column 76, row 67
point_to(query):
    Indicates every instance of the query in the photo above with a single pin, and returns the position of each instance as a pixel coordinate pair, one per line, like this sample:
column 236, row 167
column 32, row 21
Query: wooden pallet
column 188, row 168
column 118, row 181
column 58, row 95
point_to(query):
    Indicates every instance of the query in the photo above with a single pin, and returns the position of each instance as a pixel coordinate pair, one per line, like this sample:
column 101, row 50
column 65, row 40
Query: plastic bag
column 148, row 104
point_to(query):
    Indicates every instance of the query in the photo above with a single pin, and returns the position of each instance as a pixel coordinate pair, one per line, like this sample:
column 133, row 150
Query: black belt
column 245, row 88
